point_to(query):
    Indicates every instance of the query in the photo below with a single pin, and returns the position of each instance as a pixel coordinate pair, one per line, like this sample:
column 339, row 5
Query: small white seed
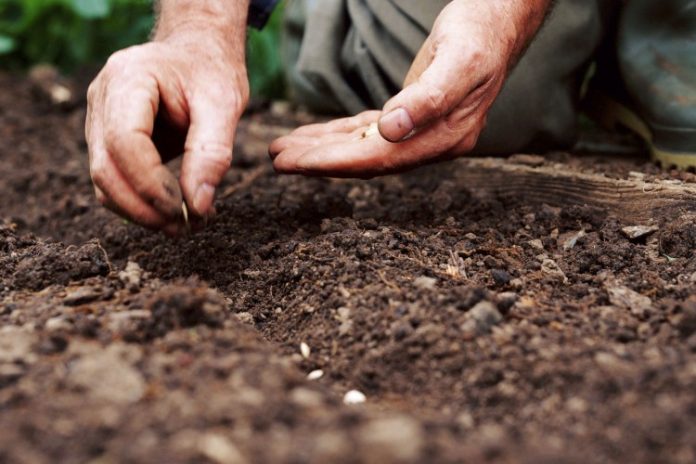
column 354, row 397
column 184, row 211
column 315, row 375
column 305, row 351
column 372, row 130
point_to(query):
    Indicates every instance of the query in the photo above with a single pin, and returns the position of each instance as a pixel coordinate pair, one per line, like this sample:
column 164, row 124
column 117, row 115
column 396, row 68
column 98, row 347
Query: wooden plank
column 632, row 200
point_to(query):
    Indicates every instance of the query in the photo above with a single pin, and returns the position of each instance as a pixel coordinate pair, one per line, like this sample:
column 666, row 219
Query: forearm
column 226, row 18
column 526, row 18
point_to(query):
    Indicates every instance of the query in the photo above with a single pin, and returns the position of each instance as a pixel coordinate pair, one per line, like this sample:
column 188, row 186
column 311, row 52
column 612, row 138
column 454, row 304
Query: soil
column 477, row 330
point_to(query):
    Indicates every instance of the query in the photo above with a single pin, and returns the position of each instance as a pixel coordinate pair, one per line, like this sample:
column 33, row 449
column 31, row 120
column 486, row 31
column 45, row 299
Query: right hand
column 153, row 102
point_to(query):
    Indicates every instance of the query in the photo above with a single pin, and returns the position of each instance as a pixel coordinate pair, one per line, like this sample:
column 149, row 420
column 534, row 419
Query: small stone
column 500, row 277
column 315, row 375
column 551, row 268
column 80, row 296
column 485, row 315
column 425, row 283
column 219, row 449
column 57, row 323
column 245, row 318
column 306, row 398
column 106, row 376
column 536, row 244
column 506, row 300
column 492, row 263
column 392, row 439
column 625, row 298
column 131, row 276
column 636, row 232
column 305, row 350
column 16, row 346
column 354, row 397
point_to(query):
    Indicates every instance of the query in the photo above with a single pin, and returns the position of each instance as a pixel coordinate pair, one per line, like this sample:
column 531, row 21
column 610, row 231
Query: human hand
column 183, row 93
column 440, row 113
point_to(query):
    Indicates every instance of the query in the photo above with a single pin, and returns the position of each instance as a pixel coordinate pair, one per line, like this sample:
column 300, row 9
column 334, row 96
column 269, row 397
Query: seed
column 372, row 130
column 315, row 375
column 184, row 211
column 305, row 351
column 354, row 397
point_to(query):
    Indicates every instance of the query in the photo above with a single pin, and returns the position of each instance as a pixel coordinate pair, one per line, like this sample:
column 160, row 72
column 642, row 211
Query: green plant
column 71, row 33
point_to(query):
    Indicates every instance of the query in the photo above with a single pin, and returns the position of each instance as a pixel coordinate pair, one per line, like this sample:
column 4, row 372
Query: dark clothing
column 260, row 11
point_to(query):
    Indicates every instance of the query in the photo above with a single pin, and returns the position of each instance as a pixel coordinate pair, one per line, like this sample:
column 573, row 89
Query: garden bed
column 479, row 325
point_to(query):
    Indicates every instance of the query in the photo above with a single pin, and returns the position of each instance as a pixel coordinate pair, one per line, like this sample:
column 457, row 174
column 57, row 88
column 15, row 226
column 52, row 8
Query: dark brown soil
column 478, row 331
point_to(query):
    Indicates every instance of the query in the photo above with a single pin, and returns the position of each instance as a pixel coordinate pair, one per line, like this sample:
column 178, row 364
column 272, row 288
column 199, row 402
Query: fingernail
column 203, row 199
column 396, row 125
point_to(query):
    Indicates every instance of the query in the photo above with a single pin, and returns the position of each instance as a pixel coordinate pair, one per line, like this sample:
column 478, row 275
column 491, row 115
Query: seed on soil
column 315, row 375
column 354, row 397
column 305, row 350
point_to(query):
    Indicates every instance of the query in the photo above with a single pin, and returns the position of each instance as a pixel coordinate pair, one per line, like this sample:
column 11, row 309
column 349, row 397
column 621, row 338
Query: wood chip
column 636, row 232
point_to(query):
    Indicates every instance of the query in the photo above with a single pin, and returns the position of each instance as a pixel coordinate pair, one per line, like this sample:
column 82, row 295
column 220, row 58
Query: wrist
column 527, row 17
column 215, row 18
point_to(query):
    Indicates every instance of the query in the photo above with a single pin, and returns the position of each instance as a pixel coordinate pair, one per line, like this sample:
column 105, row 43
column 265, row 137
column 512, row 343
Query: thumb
column 208, row 149
column 430, row 96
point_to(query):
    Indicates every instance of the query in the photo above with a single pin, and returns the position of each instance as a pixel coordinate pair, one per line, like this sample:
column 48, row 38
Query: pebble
column 625, row 298
column 425, row 283
column 219, row 449
column 245, row 318
column 391, row 439
column 354, row 397
column 305, row 350
column 500, row 277
column 16, row 346
column 551, row 268
column 131, row 276
column 306, row 398
column 636, row 232
column 485, row 315
column 80, row 296
column 57, row 323
column 536, row 244
column 315, row 375
column 105, row 375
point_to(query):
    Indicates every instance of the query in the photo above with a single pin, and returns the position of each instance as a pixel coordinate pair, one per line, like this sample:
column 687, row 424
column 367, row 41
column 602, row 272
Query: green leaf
column 91, row 9
column 7, row 44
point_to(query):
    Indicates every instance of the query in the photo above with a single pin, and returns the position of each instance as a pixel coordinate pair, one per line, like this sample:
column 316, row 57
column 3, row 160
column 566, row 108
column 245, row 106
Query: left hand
column 440, row 113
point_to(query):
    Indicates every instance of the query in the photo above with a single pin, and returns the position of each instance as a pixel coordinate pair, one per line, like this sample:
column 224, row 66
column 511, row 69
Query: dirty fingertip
column 203, row 199
column 170, row 199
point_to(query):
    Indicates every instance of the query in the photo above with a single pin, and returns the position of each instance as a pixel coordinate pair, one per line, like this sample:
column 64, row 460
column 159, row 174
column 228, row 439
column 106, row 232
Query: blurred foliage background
column 71, row 34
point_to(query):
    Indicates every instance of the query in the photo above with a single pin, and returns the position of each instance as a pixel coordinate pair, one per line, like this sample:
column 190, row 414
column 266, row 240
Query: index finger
column 130, row 110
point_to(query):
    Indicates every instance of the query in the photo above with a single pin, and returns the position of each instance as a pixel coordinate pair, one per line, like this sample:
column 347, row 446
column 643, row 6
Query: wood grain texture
column 631, row 200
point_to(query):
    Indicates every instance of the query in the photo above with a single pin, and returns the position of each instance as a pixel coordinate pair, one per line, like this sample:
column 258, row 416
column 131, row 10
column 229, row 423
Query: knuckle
column 437, row 100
